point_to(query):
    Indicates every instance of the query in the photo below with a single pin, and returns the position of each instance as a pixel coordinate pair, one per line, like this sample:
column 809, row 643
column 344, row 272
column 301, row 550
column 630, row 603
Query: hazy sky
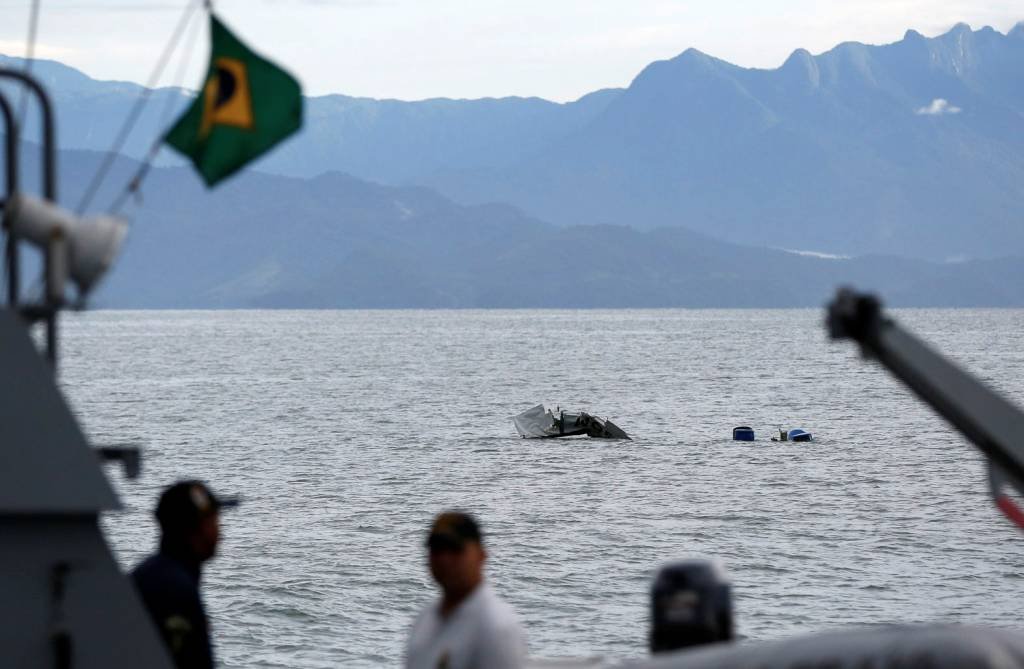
column 413, row 49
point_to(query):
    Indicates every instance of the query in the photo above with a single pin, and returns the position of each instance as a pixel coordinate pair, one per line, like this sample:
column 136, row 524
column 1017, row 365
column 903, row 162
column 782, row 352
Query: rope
column 135, row 183
column 136, row 111
column 30, row 54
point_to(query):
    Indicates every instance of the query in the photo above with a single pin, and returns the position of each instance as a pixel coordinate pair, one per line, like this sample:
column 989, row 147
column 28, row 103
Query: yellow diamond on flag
column 226, row 98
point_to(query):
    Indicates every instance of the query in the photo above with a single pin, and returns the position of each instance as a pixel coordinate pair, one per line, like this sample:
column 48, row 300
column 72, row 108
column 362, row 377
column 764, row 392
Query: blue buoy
column 799, row 435
column 743, row 433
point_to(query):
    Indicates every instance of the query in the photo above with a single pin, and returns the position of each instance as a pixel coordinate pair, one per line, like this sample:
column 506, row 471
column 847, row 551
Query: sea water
column 345, row 431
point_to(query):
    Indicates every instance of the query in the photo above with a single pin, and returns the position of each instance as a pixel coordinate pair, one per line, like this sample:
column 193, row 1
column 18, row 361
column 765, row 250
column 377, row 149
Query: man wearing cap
column 189, row 518
column 470, row 627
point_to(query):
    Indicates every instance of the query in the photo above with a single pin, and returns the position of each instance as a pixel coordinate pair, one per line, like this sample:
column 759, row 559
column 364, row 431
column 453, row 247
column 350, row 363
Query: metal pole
column 49, row 187
column 49, row 131
column 990, row 421
column 11, row 142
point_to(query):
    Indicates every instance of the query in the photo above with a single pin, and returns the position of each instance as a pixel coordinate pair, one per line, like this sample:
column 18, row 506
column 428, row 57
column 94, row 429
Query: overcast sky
column 414, row 49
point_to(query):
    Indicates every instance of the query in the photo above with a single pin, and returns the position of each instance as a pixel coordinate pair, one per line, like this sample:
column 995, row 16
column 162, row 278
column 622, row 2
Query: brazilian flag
column 246, row 106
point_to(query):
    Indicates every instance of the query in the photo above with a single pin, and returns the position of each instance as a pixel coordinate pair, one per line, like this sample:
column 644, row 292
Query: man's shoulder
column 500, row 638
column 159, row 570
column 494, row 611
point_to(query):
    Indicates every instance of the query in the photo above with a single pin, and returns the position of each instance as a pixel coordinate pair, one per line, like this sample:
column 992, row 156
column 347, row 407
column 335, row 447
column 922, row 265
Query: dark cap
column 185, row 503
column 453, row 529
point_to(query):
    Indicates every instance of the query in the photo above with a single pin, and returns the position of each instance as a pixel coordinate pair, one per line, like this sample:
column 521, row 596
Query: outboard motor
column 691, row 604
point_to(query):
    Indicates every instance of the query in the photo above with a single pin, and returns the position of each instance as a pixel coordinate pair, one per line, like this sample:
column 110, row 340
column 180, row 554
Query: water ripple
column 344, row 432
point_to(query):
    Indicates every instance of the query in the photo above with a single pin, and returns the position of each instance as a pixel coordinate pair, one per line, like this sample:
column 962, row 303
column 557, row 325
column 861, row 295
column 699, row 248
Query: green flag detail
column 246, row 106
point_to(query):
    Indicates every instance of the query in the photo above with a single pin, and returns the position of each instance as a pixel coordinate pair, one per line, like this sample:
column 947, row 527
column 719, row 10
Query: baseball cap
column 453, row 529
column 183, row 504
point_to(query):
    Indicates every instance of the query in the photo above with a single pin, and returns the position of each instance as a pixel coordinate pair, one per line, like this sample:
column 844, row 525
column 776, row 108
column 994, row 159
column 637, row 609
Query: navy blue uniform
column 169, row 586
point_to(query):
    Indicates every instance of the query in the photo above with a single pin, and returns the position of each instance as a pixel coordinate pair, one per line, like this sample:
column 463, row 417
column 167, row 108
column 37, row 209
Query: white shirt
column 482, row 632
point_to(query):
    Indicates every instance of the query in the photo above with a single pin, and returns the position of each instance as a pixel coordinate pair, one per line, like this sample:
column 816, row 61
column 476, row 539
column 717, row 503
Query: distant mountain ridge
column 389, row 141
column 664, row 194
column 335, row 241
column 914, row 148
column 840, row 152
column 911, row 149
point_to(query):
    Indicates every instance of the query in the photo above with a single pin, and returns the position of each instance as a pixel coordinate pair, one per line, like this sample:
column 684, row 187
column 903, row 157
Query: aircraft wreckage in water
column 542, row 422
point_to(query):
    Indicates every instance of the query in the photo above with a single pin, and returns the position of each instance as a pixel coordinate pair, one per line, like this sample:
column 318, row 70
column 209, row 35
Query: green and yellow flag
column 246, row 106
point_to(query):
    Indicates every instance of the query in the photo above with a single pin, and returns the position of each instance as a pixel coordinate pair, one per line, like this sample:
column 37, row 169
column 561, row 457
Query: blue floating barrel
column 743, row 433
column 799, row 435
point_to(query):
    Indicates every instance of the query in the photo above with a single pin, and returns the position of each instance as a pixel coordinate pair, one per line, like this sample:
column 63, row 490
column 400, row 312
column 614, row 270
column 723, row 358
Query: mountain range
column 334, row 241
column 914, row 148
column 680, row 190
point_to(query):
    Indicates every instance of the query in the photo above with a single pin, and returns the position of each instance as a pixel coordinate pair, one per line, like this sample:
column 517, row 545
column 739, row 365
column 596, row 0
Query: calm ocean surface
column 345, row 431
